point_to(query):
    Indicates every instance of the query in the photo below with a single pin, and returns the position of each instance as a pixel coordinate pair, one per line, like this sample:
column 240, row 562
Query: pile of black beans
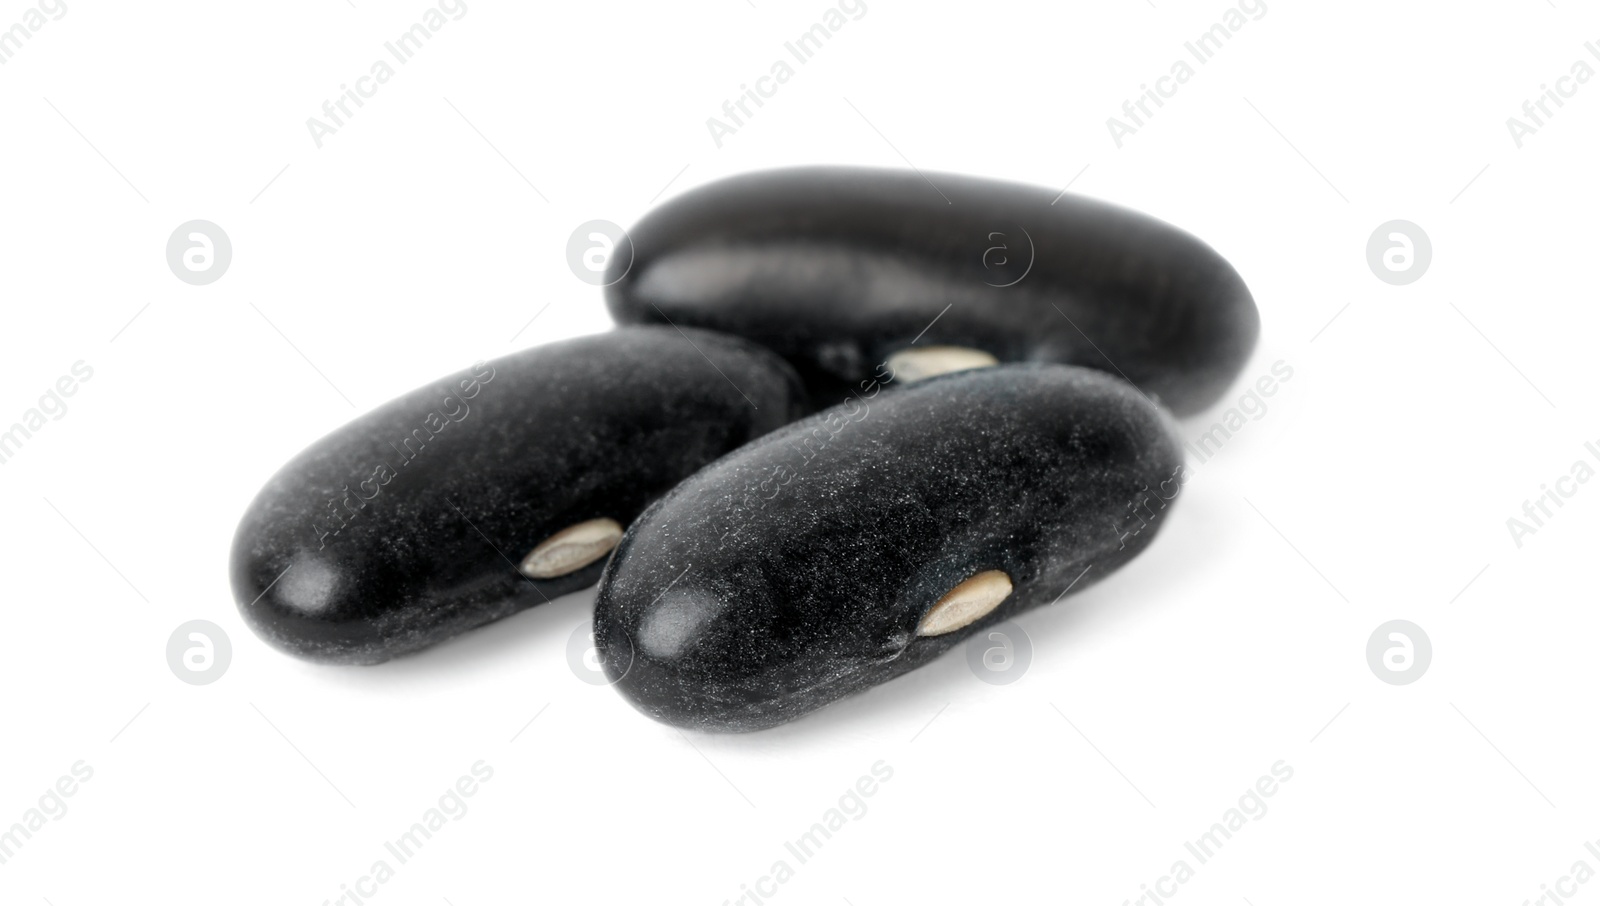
column 848, row 418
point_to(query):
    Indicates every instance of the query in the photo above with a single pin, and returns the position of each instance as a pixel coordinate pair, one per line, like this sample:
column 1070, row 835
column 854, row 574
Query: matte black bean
column 838, row 268
column 862, row 542
column 493, row 489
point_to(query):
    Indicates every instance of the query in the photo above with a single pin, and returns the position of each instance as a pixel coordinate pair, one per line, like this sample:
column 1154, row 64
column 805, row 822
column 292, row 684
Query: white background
column 1377, row 486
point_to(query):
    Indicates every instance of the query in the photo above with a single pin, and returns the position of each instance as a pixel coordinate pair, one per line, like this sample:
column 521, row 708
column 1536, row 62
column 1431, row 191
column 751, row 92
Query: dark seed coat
column 837, row 267
column 405, row 526
column 794, row 571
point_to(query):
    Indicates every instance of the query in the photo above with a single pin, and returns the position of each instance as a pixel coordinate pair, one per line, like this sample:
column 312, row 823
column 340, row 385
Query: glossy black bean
column 424, row 518
column 811, row 563
column 838, row 268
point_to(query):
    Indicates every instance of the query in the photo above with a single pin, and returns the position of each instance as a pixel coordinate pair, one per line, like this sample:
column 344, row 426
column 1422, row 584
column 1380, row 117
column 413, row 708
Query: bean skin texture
column 837, row 268
column 798, row 570
column 407, row 526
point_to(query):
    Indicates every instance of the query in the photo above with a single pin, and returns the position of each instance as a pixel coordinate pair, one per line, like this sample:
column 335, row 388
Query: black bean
column 838, row 268
column 807, row 565
column 412, row 523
